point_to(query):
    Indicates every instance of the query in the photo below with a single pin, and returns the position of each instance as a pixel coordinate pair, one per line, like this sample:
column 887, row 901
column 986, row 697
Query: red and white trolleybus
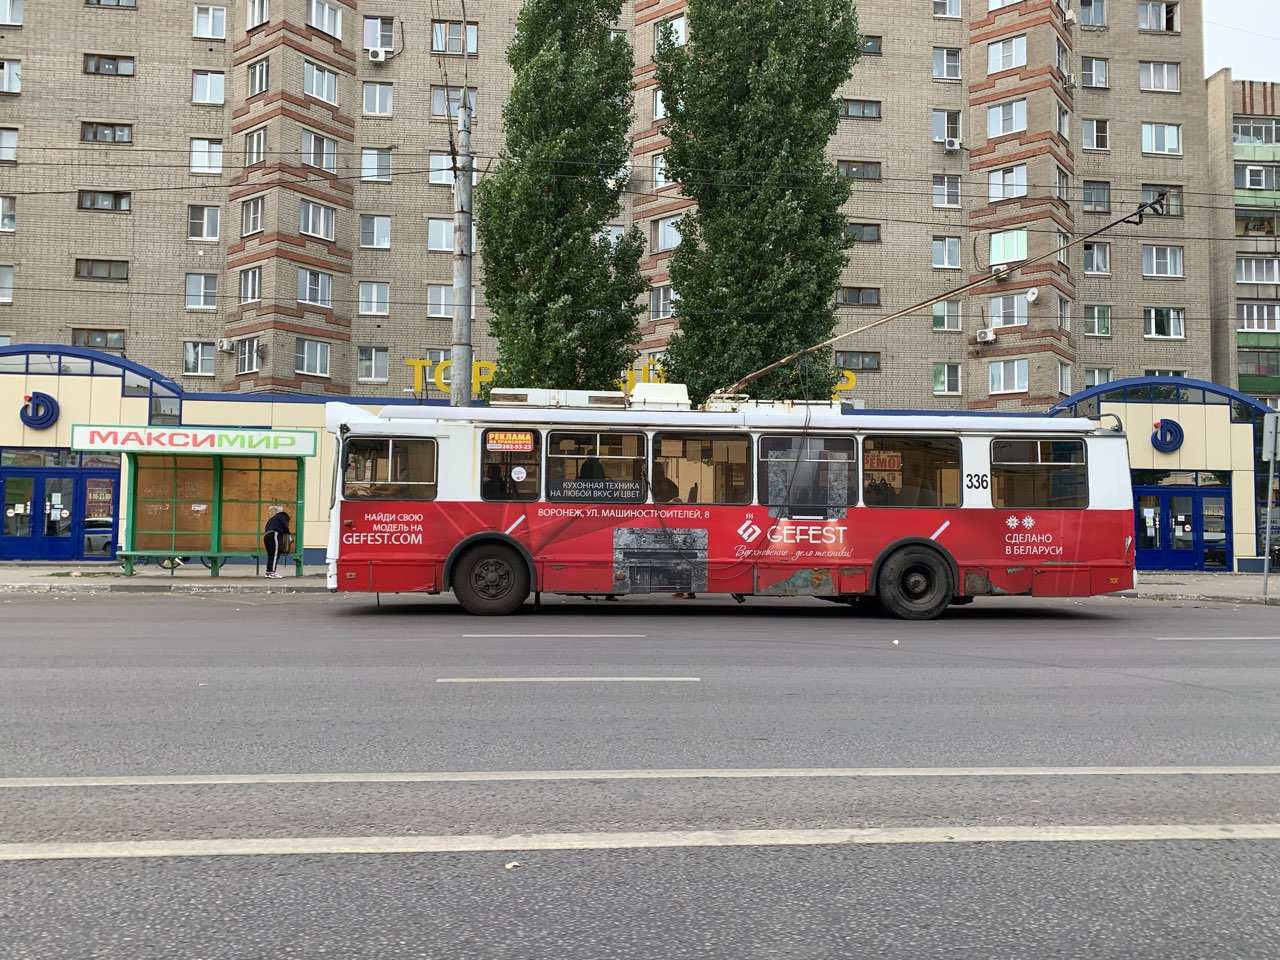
column 547, row 492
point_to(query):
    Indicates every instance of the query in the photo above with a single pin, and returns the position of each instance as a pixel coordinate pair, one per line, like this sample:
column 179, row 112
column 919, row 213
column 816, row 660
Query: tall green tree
column 563, row 292
column 751, row 108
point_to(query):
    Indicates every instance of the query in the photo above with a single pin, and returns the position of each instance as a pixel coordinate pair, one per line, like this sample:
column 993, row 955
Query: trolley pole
column 460, row 355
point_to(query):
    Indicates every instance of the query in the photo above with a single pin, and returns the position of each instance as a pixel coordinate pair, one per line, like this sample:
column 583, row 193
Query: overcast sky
column 1243, row 35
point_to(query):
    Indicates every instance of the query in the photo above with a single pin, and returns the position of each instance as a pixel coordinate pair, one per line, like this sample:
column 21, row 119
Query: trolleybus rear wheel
column 491, row 580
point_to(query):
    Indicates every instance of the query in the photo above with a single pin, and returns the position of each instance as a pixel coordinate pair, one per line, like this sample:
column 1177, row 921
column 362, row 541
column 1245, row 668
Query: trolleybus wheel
column 491, row 580
column 915, row 584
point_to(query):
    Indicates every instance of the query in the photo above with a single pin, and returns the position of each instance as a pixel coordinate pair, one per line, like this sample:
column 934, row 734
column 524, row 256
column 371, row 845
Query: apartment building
column 1244, row 142
column 257, row 194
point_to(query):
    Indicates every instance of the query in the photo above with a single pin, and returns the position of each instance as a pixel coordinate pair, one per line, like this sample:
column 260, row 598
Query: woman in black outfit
column 275, row 535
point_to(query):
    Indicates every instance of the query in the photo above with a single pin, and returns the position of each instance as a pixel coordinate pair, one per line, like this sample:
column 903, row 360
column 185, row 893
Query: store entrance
column 1183, row 529
column 57, row 515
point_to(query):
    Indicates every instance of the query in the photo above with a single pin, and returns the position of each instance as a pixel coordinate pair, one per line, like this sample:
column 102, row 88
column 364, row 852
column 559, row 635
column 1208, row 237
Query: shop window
column 395, row 468
column 597, row 468
column 706, row 468
column 253, row 490
column 911, row 471
column 511, row 465
column 1039, row 475
column 808, row 474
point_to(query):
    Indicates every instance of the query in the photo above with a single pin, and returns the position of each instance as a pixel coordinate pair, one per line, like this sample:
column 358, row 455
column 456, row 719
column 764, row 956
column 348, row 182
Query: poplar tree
column 563, row 292
column 751, row 107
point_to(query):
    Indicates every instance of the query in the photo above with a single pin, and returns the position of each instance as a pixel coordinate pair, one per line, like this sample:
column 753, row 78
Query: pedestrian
column 275, row 539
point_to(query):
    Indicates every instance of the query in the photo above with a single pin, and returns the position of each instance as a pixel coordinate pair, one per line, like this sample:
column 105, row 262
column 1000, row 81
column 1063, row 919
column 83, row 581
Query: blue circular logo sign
column 40, row 412
column 1168, row 436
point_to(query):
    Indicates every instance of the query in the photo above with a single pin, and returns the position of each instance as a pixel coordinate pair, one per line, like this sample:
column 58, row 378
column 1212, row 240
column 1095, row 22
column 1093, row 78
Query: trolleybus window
column 911, row 471
column 596, row 467
column 397, row 468
column 510, row 468
column 1044, row 474
column 706, row 468
column 816, row 474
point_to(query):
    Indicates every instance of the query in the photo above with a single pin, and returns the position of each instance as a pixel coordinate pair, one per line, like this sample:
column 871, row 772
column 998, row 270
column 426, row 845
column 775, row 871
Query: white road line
column 554, row 636
column 484, row 843
column 512, row 528
column 569, row 680
column 499, row 776
column 1219, row 638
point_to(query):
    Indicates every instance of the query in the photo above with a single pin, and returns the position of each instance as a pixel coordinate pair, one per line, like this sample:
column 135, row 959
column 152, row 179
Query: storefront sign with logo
column 40, row 412
column 1168, row 436
column 198, row 440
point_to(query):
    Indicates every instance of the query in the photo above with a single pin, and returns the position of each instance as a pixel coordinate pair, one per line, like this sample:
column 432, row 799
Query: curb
column 182, row 588
column 1193, row 598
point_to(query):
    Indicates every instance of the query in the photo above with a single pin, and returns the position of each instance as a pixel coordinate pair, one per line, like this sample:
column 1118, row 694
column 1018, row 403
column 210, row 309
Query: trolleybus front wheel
column 915, row 584
column 491, row 580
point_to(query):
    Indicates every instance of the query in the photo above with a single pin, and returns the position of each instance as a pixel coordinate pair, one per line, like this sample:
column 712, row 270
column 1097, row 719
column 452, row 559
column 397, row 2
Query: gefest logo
column 796, row 533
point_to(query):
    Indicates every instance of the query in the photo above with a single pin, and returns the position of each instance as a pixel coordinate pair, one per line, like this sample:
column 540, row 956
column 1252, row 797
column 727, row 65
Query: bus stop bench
column 214, row 561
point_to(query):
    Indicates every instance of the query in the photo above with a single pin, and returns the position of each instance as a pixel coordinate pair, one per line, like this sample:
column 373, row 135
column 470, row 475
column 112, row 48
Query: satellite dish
column 1033, row 295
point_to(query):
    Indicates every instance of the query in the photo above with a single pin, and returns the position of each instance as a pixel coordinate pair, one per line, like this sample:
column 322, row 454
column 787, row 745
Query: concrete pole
column 460, row 356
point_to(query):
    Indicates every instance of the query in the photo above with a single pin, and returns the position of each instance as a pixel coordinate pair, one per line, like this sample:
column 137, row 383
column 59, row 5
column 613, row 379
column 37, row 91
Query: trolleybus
column 557, row 493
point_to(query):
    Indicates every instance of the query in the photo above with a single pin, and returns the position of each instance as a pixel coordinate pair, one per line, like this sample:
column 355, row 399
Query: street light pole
column 460, row 355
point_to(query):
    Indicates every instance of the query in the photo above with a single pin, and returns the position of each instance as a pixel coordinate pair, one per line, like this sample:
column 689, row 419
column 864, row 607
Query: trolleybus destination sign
column 205, row 440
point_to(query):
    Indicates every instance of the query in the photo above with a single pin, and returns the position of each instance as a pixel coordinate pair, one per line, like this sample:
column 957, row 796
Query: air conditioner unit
column 999, row 268
column 1069, row 16
column 1069, row 81
column 226, row 346
column 987, row 335
column 377, row 55
column 951, row 145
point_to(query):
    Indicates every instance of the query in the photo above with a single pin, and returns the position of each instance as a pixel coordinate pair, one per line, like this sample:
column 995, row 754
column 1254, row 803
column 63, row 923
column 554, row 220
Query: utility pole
column 1271, row 454
column 463, row 165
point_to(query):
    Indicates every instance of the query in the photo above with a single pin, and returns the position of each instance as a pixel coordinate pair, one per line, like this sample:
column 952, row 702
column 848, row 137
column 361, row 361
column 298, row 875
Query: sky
column 1243, row 35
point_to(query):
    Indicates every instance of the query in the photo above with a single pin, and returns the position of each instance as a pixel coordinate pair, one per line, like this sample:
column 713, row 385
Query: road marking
column 569, row 680
column 498, row 776
column 485, row 843
column 1218, row 638
column 554, row 636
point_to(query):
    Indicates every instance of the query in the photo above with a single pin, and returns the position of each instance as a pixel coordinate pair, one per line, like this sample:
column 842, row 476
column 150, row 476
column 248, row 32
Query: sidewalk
column 1219, row 587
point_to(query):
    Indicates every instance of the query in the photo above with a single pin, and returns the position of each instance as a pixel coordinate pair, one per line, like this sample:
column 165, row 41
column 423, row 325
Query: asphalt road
column 662, row 779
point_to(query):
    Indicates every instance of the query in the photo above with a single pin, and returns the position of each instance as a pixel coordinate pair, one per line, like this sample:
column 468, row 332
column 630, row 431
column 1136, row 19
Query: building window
column 210, row 23
column 1259, row 363
column 945, row 125
column 6, row 283
column 1093, row 13
column 661, row 302
column 311, row 357
column 1064, row 120
column 105, row 201
column 1064, row 378
column 247, row 355
column 1096, row 376
column 202, row 223
column 8, row 146
column 1257, row 270
column 202, row 291
column 858, row 296
column 1164, row 373
column 1064, row 313
column 316, row 219
column 1007, row 54
column 946, row 316
column 1008, row 246
column 318, row 151
column 679, row 28
column 257, row 12
column 1258, row 317
column 1006, row 118
column 1256, row 131
column 946, row 8
column 439, row 301
column 326, row 16
column 1097, row 321
column 1163, row 138
column 1007, row 184
column 375, row 231
column 206, row 156
column 862, row 232
column 315, row 287
column 377, row 99
column 659, row 107
column 1160, row 261
column 1062, row 184
column 860, row 109
column 197, row 358
column 946, row 190
column 255, row 147
column 1163, row 323
column 91, row 132
column 250, row 216
column 11, row 13
column 946, row 379
column 1097, row 196
column 319, row 83
column 1172, row 198
column 446, row 101
column 447, row 37
column 10, row 76
column 667, row 233
column 1097, row 257
column 207, row 87
column 1158, row 15
column 858, row 360
column 259, row 76
column 379, row 33
column 371, row 364
column 108, row 66
column 1097, row 134
column 660, row 176
column 440, row 169
column 251, row 285
column 1095, row 73
column 440, row 235
column 946, row 63
column 1007, row 376
column 946, row 253
column 1250, row 177
column 110, row 341
column 375, row 298
column 1009, row 310
column 858, row 169
column 102, row 269
column 1159, row 76
column 9, row 214
column 872, row 45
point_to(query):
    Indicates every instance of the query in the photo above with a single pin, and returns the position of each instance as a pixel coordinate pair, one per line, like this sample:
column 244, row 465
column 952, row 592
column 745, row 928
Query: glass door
column 15, row 535
column 1215, row 533
column 98, row 529
column 39, row 517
